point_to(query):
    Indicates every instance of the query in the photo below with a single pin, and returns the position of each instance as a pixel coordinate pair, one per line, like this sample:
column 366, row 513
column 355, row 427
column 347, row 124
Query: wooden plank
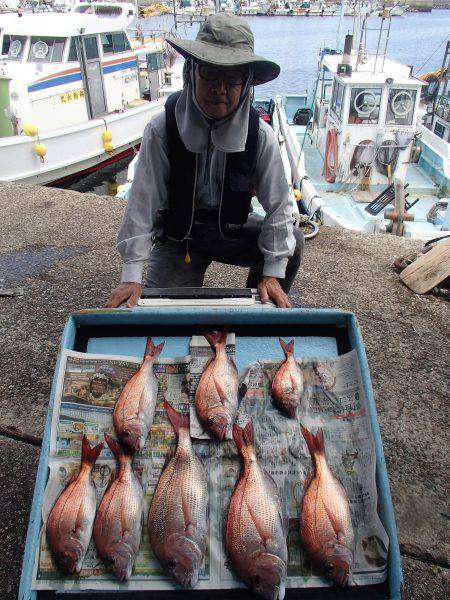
column 428, row 270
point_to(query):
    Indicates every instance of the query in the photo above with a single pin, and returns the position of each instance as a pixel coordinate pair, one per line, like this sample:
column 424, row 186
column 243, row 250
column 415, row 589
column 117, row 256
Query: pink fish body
column 256, row 527
column 178, row 515
column 287, row 384
column 325, row 524
column 135, row 409
column 118, row 524
column 216, row 398
column 70, row 522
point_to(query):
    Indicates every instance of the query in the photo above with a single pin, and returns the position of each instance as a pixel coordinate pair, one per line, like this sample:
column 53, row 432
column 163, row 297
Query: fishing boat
column 76, row 90
column 360, row 158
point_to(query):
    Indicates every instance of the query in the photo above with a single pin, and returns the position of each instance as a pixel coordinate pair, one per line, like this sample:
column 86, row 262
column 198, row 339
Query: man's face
column 218, row 90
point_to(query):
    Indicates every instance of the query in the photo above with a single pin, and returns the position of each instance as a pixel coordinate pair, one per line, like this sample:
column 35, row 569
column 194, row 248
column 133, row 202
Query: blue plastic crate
column 323, row 332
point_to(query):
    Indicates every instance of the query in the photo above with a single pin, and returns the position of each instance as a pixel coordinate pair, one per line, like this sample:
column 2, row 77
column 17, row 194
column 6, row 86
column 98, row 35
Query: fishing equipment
column 387, row 156
column 107, row 141
column 30, row 129
column 41, row 151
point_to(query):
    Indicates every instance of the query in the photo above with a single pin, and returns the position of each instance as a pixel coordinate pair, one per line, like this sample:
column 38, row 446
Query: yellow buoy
column 297, row 195
column 106, row 137
column 109, row 147
column 41, row 151
column 30, row 129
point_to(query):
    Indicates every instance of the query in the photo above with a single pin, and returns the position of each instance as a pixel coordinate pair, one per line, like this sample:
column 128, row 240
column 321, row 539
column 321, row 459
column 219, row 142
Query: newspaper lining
column 87, row 389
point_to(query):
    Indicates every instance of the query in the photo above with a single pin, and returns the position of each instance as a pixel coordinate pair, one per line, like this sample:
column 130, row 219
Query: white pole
column 341, row 19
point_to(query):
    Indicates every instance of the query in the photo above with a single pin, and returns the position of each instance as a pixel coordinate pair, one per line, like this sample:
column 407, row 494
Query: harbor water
column 416, row 39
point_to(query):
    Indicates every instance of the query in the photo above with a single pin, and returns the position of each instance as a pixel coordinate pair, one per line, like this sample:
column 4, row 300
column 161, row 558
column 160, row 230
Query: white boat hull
column 75, row 149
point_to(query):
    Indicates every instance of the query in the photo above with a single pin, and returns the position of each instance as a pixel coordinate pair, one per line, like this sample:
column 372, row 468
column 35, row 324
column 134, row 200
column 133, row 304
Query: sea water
column 416, row 39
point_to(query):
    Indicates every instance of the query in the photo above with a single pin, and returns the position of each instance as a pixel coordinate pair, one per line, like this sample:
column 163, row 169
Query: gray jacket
column 149, row 194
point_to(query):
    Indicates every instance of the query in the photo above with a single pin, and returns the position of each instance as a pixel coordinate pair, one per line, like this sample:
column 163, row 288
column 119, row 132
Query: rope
column 432, row 54
column 311, row 110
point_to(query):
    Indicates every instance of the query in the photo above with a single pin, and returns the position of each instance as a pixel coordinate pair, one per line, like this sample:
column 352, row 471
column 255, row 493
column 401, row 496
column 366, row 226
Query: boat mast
column 139, row 33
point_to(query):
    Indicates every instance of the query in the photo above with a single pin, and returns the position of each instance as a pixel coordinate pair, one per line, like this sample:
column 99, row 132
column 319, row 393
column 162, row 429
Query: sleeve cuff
column 275, row 268
column 132, row 272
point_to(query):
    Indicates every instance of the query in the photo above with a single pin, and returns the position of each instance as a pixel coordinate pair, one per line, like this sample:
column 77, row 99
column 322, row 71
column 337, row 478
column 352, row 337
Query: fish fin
column 220, row 390
column 214, row 338
column 288, row 347
column 337, row 530
column 243, row 436
column 177, row 419
column 72, row 478
column 170, row 454
column 151, row 349
column 89, row 455
column 112, row 479
column 308, row 480
column 264, row 534
column 315, row 443
column 115, row 446
column 186, row 513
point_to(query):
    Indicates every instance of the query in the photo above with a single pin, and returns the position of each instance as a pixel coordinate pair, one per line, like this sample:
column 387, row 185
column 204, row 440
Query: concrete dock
column 59, row 246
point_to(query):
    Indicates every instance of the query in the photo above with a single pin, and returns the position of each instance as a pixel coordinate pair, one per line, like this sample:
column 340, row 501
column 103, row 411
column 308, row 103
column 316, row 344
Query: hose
column 329, row 170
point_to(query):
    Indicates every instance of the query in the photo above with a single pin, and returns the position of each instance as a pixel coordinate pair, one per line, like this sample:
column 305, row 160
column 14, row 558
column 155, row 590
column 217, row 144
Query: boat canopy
column 65, row 24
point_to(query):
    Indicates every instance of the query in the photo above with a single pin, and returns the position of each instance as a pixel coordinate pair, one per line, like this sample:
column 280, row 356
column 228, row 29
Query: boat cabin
column 365, row 112
column 62, row 69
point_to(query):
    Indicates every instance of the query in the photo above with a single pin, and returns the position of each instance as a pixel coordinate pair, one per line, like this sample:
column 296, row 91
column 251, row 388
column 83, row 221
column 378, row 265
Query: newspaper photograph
column 88, row 387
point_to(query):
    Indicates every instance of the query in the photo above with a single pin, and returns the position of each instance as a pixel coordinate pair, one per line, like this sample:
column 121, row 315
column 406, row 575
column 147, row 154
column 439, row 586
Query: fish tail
column 177, row 419
column 216, row 338
column 288, row 348
column 316, row 444
column 89, row 455
column 115, row 446
column 243, row 436
column 151, row 349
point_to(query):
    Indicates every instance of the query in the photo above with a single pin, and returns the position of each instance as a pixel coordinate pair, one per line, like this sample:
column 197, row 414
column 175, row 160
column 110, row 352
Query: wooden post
column 399, row 205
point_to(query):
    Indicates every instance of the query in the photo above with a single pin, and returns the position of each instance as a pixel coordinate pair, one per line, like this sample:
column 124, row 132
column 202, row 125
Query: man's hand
column 127, row 293
column 270, row 289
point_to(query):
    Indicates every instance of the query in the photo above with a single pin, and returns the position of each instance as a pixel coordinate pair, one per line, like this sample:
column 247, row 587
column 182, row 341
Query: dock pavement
column 59, row 247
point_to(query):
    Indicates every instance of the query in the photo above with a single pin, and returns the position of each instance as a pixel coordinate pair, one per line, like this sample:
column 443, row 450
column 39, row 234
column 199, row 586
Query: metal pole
column 175, row 15
column 341, row 19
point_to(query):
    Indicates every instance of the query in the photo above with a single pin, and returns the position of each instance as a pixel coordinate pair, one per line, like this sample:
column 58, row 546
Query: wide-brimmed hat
column 226, row 41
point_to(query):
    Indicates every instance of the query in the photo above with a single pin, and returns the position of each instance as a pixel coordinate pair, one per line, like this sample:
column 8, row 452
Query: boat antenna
column 341, row 19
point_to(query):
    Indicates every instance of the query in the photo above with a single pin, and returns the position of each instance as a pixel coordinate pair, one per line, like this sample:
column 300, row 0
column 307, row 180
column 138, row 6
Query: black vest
column 238, row 185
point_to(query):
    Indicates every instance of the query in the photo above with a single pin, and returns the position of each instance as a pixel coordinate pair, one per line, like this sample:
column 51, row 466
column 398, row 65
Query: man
column 200, row 163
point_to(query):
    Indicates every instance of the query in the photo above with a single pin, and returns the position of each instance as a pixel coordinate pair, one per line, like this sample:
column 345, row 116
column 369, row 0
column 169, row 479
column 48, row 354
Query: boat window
column 439, row 130
column 365, row 106
column 46, row 50
column 400, row 107
column 73, row 54
column 155, row 61
column 337, row 98
column 90, row 47
column 13, row 46
column 113, row 43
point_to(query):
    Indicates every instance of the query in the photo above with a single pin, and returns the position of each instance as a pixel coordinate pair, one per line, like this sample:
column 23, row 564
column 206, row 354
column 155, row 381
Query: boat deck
column 349, row 204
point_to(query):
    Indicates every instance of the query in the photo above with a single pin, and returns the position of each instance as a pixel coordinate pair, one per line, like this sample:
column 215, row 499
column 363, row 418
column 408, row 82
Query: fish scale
column 69, row 524
column 216, row 397
column 177, row 519
column 118, row 524
column 325, row 521
column 135, row 409
column 256, row 527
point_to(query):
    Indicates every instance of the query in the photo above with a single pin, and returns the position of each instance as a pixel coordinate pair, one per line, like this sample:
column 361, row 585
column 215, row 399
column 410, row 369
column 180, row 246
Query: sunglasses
column 229, row 76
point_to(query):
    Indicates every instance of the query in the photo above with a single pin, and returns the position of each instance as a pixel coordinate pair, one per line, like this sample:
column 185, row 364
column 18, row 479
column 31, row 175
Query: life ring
column 331, row 156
